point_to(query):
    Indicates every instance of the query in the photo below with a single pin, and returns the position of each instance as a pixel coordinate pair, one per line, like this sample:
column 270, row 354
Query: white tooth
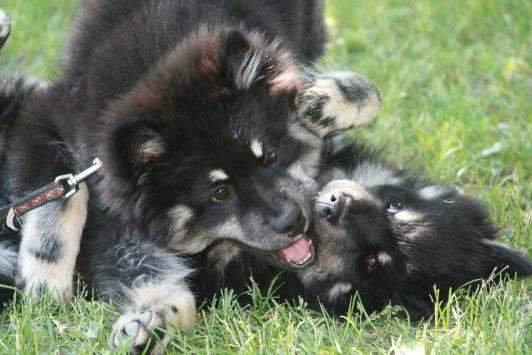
column 307, row 258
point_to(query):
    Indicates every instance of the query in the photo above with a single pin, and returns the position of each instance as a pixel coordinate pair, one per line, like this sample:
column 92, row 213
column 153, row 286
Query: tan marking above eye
column 218, row 175
column 256, row 148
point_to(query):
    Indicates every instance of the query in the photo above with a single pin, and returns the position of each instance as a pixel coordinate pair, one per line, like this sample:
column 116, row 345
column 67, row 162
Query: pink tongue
column 298, row 251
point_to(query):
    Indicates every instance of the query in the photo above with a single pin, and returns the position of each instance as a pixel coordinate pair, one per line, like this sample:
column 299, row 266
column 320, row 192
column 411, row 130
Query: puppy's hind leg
column 50, row 244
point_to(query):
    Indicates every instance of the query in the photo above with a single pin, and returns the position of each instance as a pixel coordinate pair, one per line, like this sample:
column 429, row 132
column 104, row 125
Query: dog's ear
column 251, row 59
column 509, row 260
column 244, row 63
column 336, row 101
column 131, row 146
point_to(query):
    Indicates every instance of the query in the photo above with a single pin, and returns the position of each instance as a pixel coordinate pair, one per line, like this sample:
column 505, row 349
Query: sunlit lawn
column 456, row 82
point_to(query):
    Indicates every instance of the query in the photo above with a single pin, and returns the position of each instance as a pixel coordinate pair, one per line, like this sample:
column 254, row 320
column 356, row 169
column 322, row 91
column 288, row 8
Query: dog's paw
column 149, row 328
column 35, row 278
column 5, row 28
column 336, row 101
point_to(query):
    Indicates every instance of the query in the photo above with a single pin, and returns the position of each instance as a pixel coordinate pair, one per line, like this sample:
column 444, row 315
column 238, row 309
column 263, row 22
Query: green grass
column 456, row 80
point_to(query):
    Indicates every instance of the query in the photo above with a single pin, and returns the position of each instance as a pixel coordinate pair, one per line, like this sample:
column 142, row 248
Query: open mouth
column 299, row 254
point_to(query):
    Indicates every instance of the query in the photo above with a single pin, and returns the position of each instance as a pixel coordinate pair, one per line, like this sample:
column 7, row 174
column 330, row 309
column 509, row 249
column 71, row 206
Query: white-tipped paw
column 35, row 279
column 150, row 329
column 336, row 101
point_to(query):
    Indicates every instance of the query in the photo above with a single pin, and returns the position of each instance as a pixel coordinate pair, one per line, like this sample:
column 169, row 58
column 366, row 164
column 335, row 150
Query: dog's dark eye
column 222, row 193
column 394, row 207
column 269, row 158
column 371, row 261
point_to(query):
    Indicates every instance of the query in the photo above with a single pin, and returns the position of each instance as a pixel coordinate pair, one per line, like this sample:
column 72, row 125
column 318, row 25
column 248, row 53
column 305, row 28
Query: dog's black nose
column 330, row 206
column 290, row 221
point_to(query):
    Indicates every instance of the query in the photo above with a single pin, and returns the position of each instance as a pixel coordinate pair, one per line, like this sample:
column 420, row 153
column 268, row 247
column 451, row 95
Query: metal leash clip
column 72, row 181
column 63, row 187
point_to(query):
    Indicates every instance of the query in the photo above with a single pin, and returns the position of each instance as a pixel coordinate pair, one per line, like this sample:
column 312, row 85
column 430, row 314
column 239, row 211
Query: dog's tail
column 5, row 28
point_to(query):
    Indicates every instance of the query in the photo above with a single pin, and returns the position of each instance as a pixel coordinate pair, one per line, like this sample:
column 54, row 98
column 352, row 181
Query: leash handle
column 48, row 193
column 64, row 186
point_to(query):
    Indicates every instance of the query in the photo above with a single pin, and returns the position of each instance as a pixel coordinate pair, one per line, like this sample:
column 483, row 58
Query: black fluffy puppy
column 194, row 109
column 388, row 236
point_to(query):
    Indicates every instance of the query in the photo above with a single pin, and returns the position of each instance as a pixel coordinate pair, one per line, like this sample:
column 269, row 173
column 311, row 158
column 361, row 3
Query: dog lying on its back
column 392, row 237
column 377, row 232
column 382, row 234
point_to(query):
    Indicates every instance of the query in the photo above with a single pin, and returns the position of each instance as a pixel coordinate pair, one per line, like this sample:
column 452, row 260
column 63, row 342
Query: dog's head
column 210, row 146
column 391, row 239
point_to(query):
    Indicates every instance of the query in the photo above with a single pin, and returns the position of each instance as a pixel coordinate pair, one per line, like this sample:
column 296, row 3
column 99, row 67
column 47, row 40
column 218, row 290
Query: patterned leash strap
column 63, row 187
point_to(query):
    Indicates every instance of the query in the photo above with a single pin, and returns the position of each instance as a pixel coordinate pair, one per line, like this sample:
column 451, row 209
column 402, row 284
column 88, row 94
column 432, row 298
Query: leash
column 63, row 187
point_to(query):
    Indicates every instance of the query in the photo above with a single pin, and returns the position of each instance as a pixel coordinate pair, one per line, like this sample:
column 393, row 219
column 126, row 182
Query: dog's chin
column 299, row 254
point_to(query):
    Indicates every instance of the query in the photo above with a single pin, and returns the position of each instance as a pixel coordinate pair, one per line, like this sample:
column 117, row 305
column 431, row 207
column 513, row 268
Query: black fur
column 166, row 105
column 450, row 243
column 168, row 95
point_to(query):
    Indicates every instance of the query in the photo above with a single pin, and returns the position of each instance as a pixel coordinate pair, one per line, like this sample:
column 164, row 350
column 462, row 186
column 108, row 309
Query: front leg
column 50, row 244
column 147, row 283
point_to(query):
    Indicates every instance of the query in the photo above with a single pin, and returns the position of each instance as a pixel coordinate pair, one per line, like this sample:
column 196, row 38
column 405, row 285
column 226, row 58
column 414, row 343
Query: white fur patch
column 433, row 192
column 339, row 289
column 373, row 174
column 201, row 238
column 408, row 216
column 218, row 175
column 248, row 70
column 66, row 225
column 384, row 258
column 230, row 228
column 256, row 148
